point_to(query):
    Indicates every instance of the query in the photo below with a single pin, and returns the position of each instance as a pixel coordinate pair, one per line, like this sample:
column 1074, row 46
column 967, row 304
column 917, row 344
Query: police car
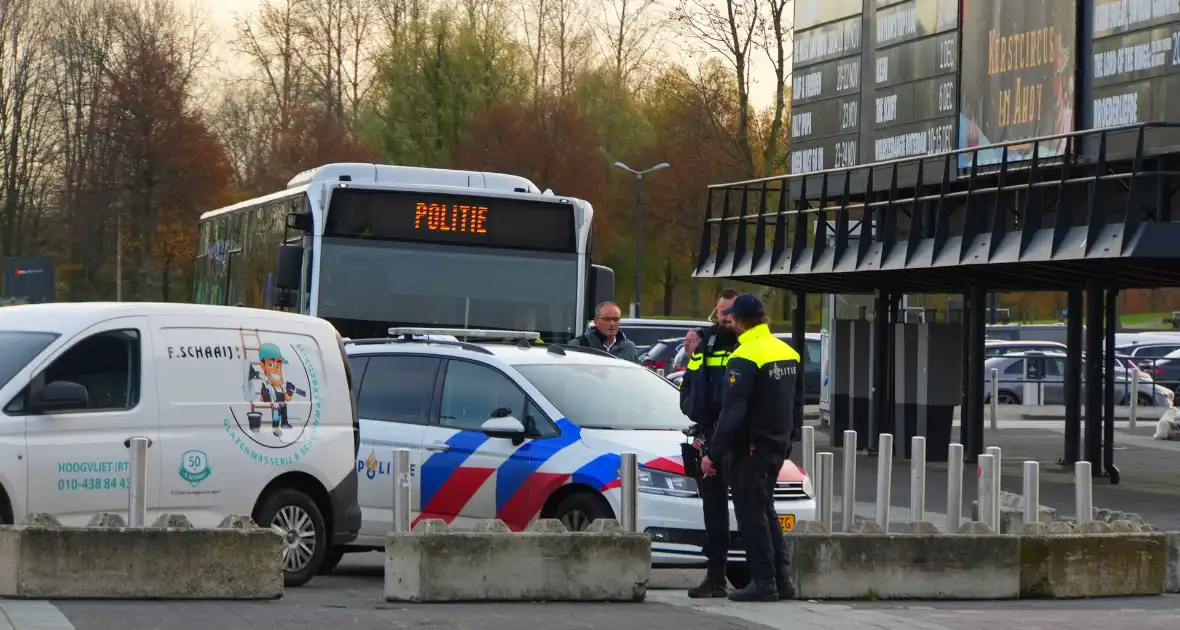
column 511, row 429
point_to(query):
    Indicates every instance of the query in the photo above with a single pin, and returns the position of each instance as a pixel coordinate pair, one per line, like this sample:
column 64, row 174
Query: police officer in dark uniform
column 751, row 443
column 700, row 400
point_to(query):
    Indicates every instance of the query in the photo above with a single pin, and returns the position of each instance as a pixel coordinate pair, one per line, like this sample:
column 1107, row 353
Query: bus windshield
column 368, row 286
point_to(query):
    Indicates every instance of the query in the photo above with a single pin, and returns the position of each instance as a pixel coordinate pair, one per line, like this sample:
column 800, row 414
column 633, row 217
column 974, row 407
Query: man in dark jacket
column 752, row 441
column 700, row 400
column 605, row 334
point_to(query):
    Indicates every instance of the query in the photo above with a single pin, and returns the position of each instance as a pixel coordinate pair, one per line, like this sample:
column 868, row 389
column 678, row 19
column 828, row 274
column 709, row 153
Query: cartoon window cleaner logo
column 273, row 384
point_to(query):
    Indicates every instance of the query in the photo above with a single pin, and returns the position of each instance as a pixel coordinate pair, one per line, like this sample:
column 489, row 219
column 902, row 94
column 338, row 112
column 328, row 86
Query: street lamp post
column 639, row 226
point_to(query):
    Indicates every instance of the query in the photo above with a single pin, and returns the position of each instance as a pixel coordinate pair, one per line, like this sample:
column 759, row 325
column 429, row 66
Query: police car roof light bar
column 469, row 333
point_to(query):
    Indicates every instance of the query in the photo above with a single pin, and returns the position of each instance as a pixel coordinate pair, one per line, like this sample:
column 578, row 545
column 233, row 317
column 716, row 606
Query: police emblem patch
column 733, row 376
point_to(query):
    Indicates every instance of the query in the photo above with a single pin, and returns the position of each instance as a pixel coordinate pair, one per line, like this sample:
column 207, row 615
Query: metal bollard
column 629, row 485
column 1032, row 491
column 137, row 491
column 1083, row 492
column 808, row 449
column 884, row 478
column 987, row 491
column 825, row 473
column 1132, row 416
column 954, row 488
column 848, row 498
column 401, row 491
column 917, row 479
column 997, row 486
column 995, row 398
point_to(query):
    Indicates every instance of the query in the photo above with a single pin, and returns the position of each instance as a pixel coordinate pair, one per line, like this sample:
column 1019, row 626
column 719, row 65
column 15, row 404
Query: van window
column 473, row 393
column 17, row 348
column 107, row 364
column 398, row 389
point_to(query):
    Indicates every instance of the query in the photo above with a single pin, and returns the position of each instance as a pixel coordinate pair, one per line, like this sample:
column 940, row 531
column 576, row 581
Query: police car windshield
column 609, row 396
column 17, row 348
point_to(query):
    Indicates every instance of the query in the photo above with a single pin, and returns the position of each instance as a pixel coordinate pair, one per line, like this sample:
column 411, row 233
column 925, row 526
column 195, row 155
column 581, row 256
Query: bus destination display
column 826, row 89
column 1135, row 71
column 437, row 218
column 914, row 69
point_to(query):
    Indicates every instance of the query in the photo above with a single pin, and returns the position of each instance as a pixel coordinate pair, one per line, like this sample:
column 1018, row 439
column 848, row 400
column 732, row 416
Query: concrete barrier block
column 237, row 521
column 106, row 519
column 899, row 566
column 867, row 527
column 547, row 526
column 1095, row 527
column 1093, row 565
column 1060, row 528
column 604, row 526
column 811, row 527
column 491, row 526
column 450, row 566
column 123, row 563
column 172, row 521
column 42, row 519
column 1124, row 526
column 1033, row 529
column 975, row 528
column 431, row 526
column 924, row 528
column 1172, row 574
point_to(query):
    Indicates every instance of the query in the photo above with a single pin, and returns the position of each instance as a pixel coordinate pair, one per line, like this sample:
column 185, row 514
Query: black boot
column 782, row 579
column 712, row 586
column 756, row 592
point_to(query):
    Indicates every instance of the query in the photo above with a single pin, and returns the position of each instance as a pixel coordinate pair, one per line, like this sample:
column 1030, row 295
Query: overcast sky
column 221, row 14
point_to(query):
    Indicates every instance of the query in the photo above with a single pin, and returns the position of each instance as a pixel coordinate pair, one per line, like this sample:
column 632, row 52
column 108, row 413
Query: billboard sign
column 30, row 278
column 1019, row 60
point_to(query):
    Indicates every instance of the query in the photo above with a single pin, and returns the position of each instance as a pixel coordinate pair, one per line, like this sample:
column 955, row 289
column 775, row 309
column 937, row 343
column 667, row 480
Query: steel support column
column 881, row 381
column 976, row 332
column 799, row 343
column 1112, row 318
column 1093, row 383
column 1073, row 376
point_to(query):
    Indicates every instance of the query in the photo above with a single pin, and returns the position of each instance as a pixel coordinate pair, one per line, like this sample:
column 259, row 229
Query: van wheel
column 295, row 517
column 738, row 574
column 578, row 511
column 331, row 559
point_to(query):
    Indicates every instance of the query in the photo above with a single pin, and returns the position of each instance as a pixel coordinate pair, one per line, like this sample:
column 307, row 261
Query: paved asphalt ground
column 351, row 598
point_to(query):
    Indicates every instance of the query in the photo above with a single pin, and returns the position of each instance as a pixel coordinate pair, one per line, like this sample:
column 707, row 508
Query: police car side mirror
column 505, row 427
column 59, row 396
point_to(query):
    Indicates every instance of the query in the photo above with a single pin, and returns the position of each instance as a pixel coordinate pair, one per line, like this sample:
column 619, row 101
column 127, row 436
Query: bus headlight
column 660, row 482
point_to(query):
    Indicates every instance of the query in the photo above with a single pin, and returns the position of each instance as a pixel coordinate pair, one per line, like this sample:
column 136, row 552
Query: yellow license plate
column 786, row 521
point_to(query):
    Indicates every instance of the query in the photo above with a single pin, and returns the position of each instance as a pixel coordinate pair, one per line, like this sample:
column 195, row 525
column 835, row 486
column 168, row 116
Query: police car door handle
column 438, row 447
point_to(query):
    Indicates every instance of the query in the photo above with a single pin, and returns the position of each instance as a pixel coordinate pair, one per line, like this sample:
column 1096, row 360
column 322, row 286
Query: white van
column 248, row 412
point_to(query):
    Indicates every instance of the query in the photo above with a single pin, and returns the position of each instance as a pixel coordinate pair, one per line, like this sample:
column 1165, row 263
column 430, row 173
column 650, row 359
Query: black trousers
column 753, row 478
column 715, row 502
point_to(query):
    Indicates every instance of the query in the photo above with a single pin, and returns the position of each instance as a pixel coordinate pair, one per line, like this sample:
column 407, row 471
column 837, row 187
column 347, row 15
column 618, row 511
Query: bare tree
column 337, row 51
column 627, row 34
column 776, row 40
column 728, row 29
column 535, row 17
column 571, row 42
column 271, row 41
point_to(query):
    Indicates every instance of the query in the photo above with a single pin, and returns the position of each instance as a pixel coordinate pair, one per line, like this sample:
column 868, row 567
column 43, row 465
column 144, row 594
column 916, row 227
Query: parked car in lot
column 1038, row 378
column 659, row 357
column 811, row 368
column 645, row 333
column 508, row 429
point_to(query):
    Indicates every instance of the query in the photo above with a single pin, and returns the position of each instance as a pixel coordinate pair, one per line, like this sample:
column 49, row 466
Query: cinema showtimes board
column 826, row 85
column 1135, row 69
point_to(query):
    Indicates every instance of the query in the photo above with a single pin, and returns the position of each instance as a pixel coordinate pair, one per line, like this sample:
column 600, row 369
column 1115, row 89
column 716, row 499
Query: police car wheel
column 295, row 517
column 331, row 559
column 578, row 511
column 737, row 574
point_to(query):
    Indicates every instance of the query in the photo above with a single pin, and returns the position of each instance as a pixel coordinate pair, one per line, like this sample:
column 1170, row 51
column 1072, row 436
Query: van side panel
column 242, row 402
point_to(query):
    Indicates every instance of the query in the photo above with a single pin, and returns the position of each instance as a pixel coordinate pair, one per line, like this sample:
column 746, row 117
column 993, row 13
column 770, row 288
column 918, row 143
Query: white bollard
column 954, row 488
column 995, row 398
column 808, row 448
column 401, row 490
column 629, row 487
column 137, row 490
column 824, row 477
column 1133, row 414
column 848, row 498
column 987, row 492
column 997, row 462
column 884, row 478
column 1032, row 491
column 1083, row 492
column 917, row 479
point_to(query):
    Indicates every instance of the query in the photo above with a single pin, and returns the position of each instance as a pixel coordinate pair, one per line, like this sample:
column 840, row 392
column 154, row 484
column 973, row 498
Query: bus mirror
column 300, row 221
column 604, row 284
column 290, row 271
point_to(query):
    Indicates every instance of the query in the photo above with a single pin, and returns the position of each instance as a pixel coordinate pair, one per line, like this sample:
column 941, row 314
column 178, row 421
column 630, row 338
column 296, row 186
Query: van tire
column 331, row 559
column 6, row 516
column 577, row 511
column 286, row 510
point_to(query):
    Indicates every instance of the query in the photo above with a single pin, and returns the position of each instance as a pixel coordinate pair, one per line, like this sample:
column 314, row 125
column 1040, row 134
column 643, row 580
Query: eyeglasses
column 609, row 320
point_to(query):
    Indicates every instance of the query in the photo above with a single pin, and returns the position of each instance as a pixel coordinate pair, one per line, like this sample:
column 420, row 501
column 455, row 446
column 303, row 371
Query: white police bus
column 370, row 246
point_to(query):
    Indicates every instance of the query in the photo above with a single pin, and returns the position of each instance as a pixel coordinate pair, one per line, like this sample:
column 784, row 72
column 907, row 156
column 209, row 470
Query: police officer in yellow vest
column 700, row 400
column 752, row 442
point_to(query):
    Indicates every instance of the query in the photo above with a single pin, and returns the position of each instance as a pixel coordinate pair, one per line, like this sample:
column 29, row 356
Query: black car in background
column 659, row 357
